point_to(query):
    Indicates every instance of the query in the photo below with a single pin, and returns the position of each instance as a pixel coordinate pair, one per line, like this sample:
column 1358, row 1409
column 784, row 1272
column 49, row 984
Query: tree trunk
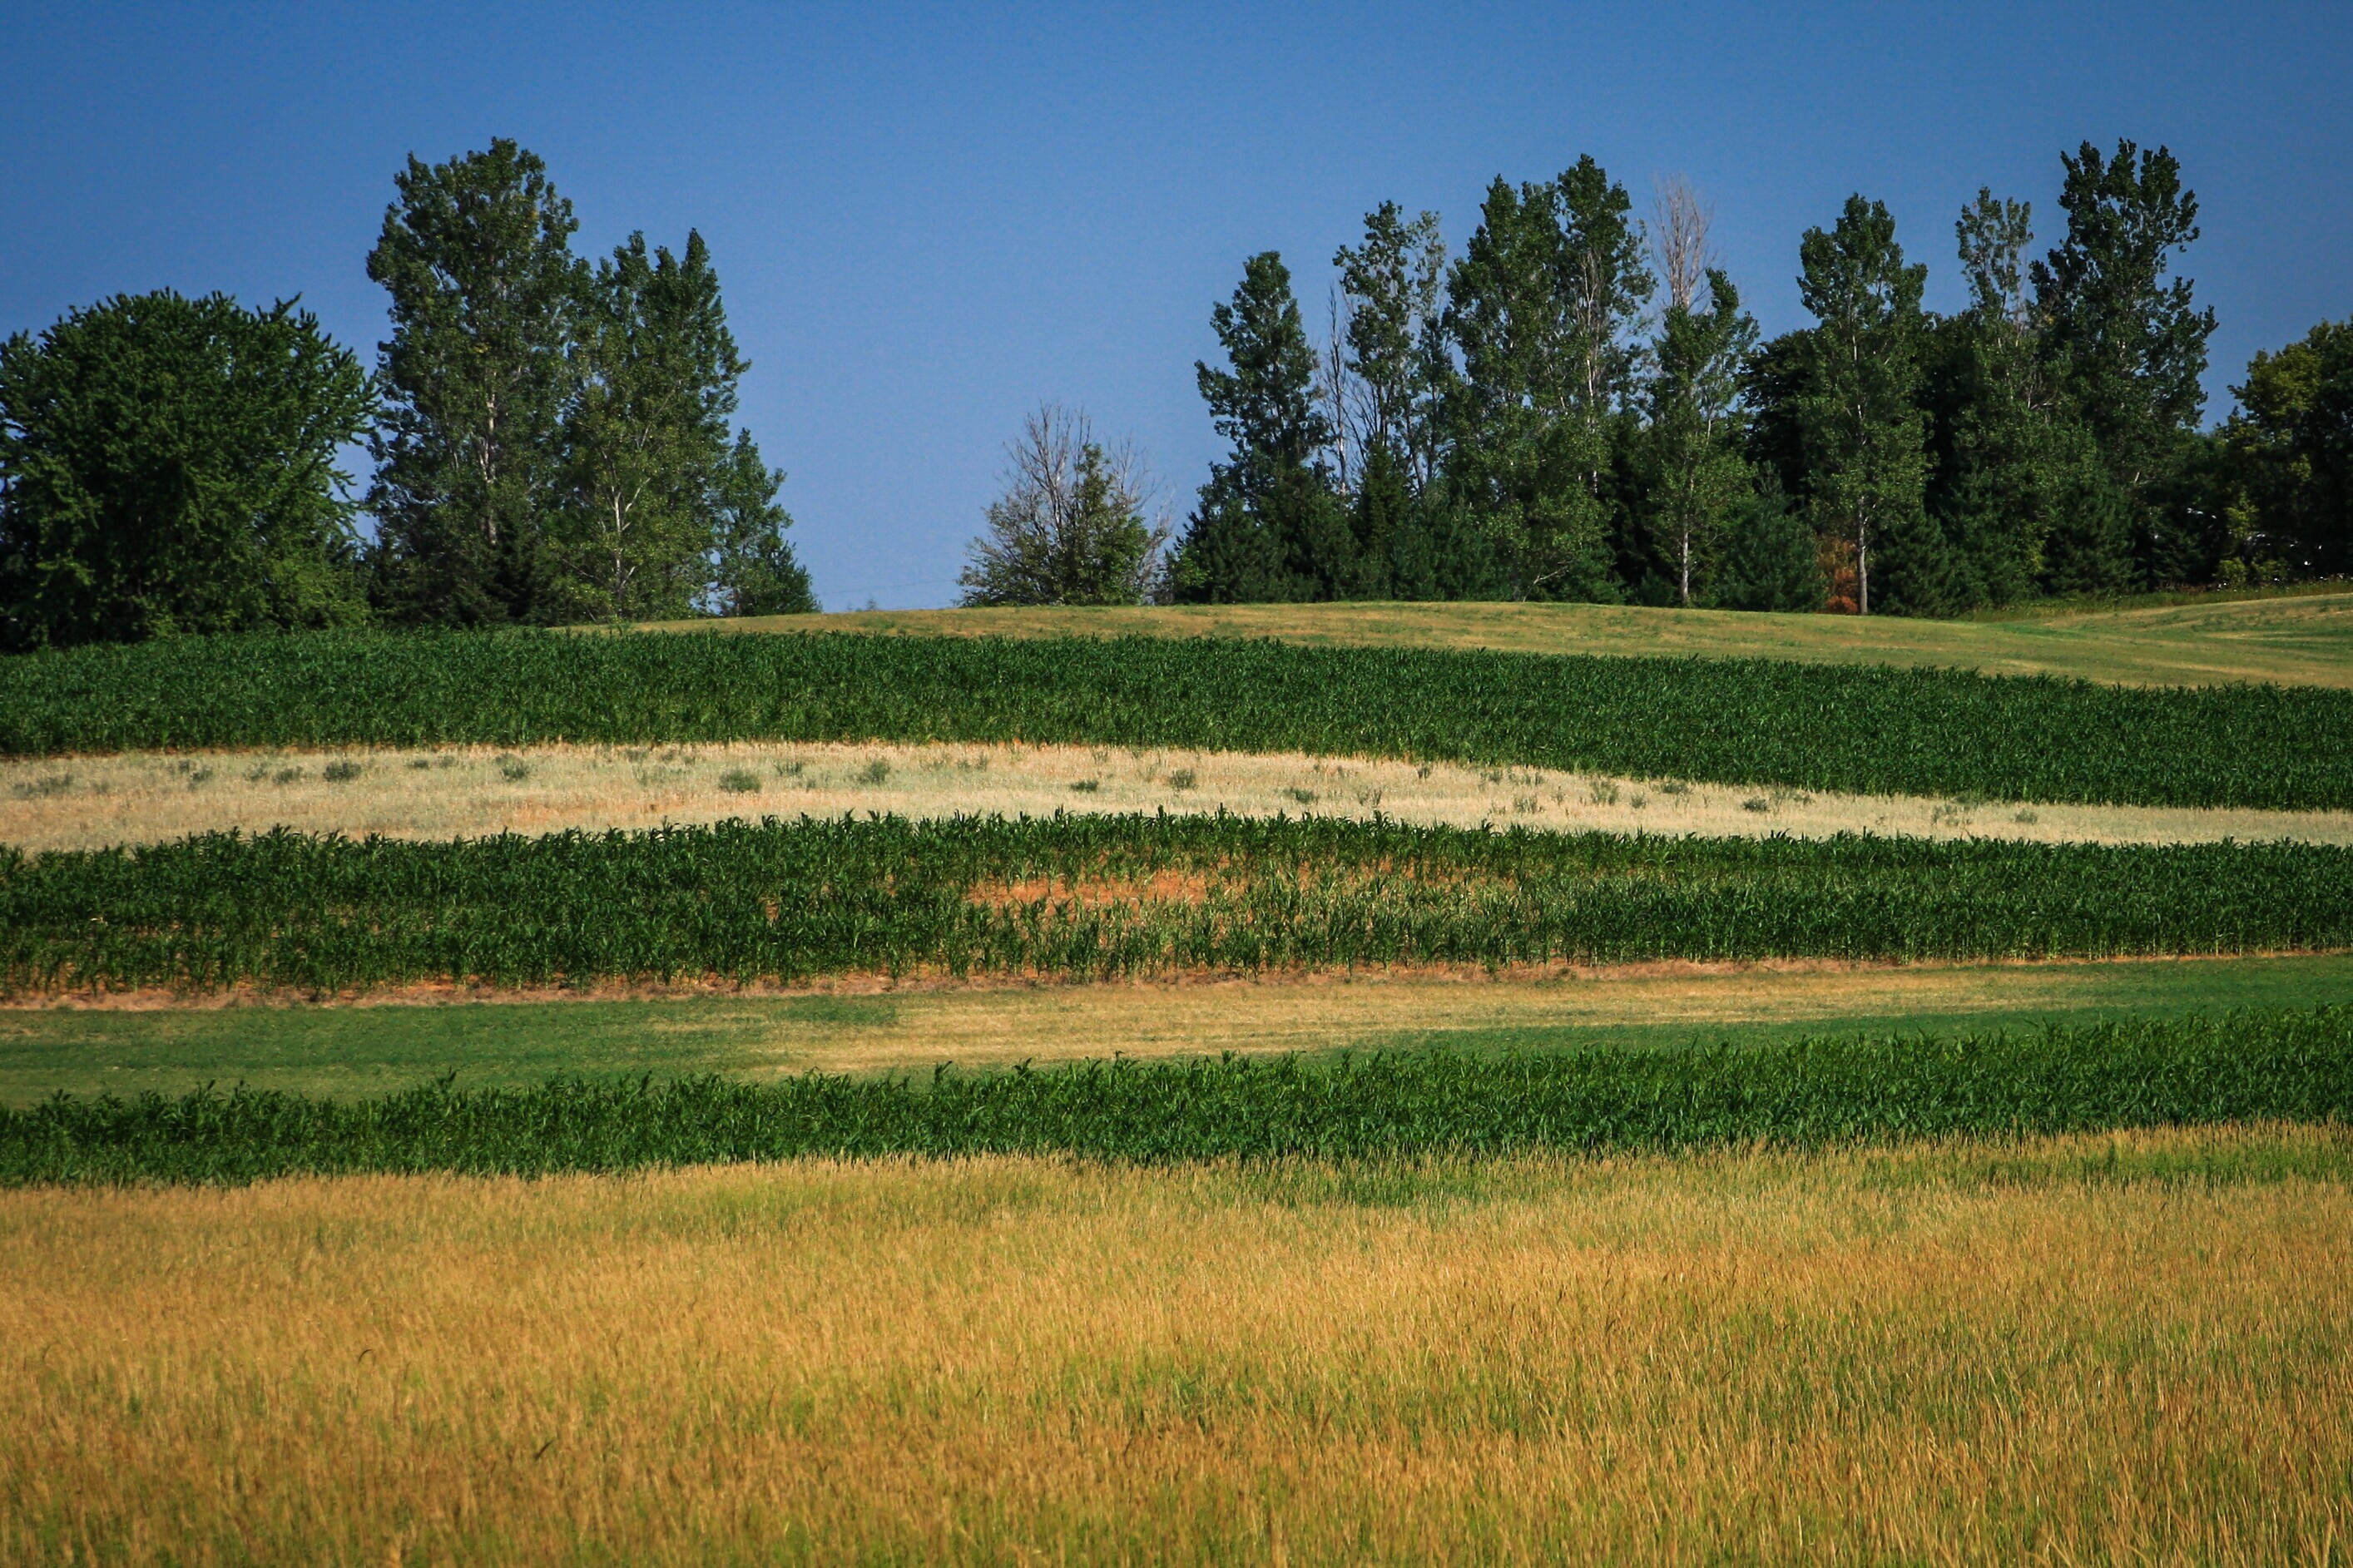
column 1863, row 568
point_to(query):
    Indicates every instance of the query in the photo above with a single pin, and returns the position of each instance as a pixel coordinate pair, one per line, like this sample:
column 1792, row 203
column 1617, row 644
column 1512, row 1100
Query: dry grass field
column 2295, row 639
column 2126, row 1348
column 145, row 797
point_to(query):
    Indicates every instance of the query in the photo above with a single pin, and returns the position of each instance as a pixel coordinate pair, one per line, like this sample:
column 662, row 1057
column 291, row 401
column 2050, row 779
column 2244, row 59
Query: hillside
column 2297, row 639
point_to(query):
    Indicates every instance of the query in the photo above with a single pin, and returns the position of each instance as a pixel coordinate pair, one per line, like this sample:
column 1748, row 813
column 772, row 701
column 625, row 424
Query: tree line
column 553, row 442
column 1579, row 407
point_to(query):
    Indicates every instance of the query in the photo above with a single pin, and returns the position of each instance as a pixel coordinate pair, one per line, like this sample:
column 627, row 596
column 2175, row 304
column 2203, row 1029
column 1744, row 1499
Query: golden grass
column 2300, row 639
column 2128, row 1349
column 145, row 797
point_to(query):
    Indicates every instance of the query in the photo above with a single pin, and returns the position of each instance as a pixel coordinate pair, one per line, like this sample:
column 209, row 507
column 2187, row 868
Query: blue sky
column 930, row 219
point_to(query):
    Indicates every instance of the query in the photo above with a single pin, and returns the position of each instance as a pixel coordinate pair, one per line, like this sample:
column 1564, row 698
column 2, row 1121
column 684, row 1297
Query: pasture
column 2298, row 638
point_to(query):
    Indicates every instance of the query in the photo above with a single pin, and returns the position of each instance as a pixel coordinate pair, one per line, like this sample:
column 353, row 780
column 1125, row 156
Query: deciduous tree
column 167, row 465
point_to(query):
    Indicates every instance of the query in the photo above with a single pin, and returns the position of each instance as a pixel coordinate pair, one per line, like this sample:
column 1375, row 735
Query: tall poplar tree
column 1697, row 479
column 477, row 375
column 1541, row 306
column 650, row 444
column 1862, row 430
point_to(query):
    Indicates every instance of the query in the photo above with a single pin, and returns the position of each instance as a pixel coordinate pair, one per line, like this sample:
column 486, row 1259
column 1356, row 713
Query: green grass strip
column 1102, row 897
column 2246, row 1066
column 1758, row 722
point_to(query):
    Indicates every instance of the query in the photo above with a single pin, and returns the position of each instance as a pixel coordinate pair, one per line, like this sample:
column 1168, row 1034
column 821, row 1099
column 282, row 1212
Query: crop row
column 2249, row 1065
column 1739, row 721
column 1092, row 897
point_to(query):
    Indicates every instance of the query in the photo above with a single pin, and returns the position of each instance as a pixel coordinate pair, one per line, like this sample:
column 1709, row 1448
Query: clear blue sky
column 928, row 220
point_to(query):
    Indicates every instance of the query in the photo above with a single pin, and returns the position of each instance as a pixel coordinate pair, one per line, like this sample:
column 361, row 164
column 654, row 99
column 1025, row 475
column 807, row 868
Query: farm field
column 162, row 1044
column 2296, row 639
column 145, row 797
column 1871, row 731
column 1108, row 898
column 2122, row 1347
column 1688, row 1107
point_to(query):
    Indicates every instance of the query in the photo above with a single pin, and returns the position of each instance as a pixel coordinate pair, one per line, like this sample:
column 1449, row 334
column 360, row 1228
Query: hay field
column 78, row 802
column 2302, row 638
column 2127, row 1348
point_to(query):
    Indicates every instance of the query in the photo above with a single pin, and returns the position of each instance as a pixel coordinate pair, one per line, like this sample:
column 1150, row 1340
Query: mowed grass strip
column 146, row 797
column 1095, row 898
column 2248, row 1065
column 2300, row 637
column 2120, row 1348
column 130, row 1045
column 1864, row 730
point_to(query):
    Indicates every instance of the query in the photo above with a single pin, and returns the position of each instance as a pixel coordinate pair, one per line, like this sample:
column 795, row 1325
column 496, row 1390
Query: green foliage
column 650, row 456
column 1394, row 342
column 1267, row 526
column 1769, row 560
column 558, row 447
column 753, row 571
column 2291, row 446
column 1072, row 897
column 1809, row 1093
column 1765, row 721
column 471, row 453
column 1857, row 407
column 1541, row 308
column 167, row 466
column 1070, row 528
column 2127, row 344
column 1697, row 480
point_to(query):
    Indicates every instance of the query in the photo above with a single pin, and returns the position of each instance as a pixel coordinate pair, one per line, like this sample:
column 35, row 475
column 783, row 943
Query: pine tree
column 1268, row 526
column 478, row 374
column 1770, row 558
column 753, row 571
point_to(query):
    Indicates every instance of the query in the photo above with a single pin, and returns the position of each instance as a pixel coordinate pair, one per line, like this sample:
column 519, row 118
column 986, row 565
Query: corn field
column 2249, row 1064
column 1105, row 896
column 1758, row 721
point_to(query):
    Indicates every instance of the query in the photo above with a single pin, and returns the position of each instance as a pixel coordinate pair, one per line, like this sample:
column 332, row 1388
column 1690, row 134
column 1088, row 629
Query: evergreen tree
column 1070, row 528
column 1770, row 560
column 1862, row 430
column 753, row 571
column 2128, row 345
column 167, row 466
column 1696, row 478
column 470, row 455
column 1268, row 526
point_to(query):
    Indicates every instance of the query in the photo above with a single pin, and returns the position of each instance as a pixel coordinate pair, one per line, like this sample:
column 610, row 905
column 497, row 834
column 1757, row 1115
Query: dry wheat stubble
column 147, row 797
column 2084, row 1350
